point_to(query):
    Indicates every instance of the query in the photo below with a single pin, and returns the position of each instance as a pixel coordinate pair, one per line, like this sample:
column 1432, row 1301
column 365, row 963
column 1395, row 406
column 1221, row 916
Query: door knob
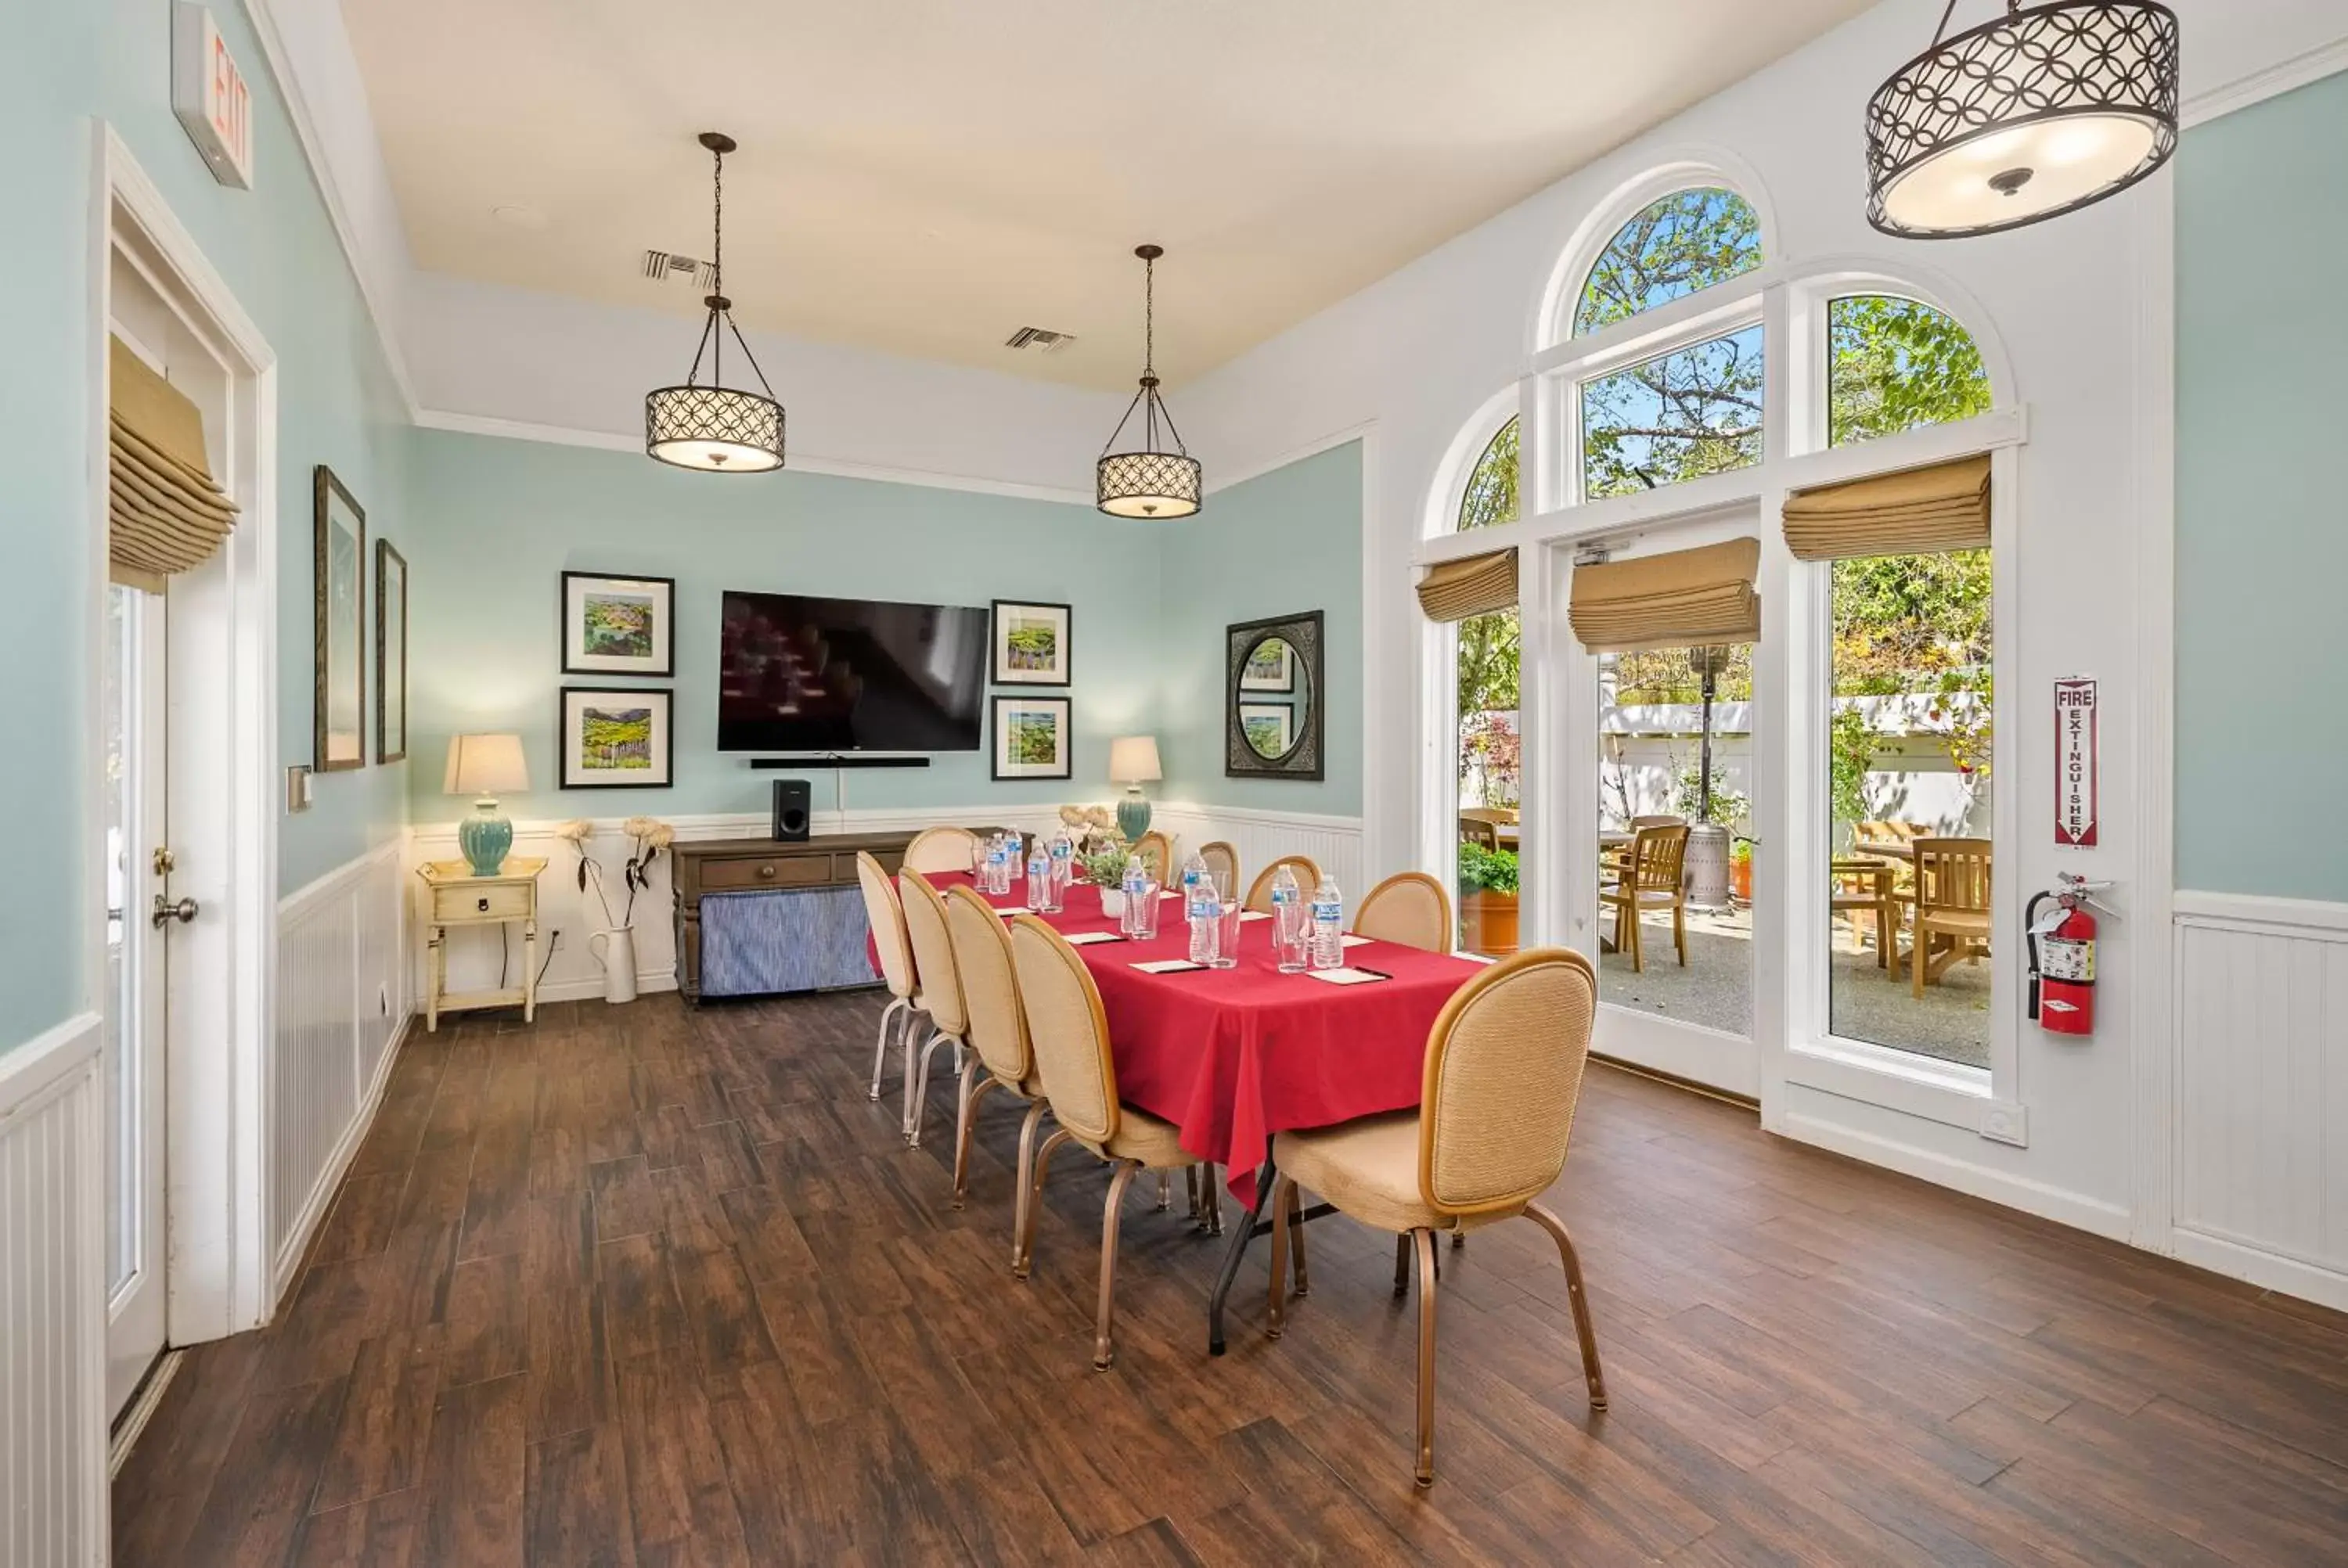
column 183, row 911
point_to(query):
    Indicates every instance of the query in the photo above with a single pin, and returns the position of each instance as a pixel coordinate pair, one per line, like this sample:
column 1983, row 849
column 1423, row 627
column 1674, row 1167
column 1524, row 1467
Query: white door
column 139, row 917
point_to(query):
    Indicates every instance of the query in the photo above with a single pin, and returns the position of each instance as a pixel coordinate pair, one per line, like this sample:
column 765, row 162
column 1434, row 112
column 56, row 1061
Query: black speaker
column 791, row 811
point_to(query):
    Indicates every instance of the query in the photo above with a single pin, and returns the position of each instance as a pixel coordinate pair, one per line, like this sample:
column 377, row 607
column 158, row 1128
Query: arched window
column 1688, row 241
column 1490, row 495
column 1896, row 364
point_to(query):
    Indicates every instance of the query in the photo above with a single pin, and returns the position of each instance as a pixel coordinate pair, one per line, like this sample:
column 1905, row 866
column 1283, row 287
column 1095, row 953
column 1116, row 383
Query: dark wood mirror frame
column 1306, row 758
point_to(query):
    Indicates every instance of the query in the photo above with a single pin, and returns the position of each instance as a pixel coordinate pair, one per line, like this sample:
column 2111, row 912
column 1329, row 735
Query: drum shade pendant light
column 1152, row 482
column 2036, row 114
column 710, row 427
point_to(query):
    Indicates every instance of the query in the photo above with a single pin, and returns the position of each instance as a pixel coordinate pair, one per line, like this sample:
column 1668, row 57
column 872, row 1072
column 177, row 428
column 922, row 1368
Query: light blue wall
column 1280, row 544
column 499, row 520
column 2261, row 511
column 69, row 66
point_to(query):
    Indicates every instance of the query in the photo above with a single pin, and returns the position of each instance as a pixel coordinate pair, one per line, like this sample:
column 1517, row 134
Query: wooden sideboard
column 761, row 866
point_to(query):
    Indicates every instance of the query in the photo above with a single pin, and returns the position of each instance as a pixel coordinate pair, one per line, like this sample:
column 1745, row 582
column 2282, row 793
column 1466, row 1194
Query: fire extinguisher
column 2062, row 957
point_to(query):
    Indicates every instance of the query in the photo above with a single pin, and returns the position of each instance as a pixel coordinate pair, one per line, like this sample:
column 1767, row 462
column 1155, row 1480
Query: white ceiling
column 924, row 176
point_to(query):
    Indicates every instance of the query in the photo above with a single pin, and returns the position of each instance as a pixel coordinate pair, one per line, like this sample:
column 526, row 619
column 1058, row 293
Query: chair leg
column 1582, row 1328
column 880, row 1045
column 1424, row 1242
column 913, row 1020
column 1213, row 1193
column 1023, row 1246
column 1916, row 946
column 922, row 1084
column 1275, row 1320
column 1402, row 1265
column 1638, row 948
column 975, row 1082
column 1190, row 1188
column 1023, row 1198
column 1165, row 1192
column 1112, row 1216
column 1679, row 931
column 1296, row 1236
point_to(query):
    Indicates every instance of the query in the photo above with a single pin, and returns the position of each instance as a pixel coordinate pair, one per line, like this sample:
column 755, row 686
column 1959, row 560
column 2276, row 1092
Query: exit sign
column 209, row 96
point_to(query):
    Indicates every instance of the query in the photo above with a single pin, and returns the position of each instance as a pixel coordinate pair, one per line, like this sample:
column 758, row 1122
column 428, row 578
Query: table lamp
column 485, row 766
column 1133, row 762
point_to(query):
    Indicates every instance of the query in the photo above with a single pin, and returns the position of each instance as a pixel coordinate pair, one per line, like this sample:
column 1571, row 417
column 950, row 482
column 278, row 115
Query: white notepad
column 1345, row 977
column 1353, row 941
column 1168, row 966
column 1246, row 914
column 1087, row 938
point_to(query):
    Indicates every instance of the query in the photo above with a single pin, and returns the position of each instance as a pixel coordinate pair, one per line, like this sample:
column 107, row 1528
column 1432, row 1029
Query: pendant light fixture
column 713, row 427
column 1150, row 482
column 2036, row 114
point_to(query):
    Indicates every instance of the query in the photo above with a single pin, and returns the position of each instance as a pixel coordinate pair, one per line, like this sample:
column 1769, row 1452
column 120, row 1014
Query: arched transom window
column 1490, row 498
column 1686, row 243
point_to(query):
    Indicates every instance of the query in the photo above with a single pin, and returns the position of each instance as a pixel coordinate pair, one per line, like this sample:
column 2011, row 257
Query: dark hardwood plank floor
column 642, row 1285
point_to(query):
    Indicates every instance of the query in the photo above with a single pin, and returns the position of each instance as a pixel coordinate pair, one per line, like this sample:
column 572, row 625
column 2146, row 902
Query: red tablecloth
column 1233, row 1056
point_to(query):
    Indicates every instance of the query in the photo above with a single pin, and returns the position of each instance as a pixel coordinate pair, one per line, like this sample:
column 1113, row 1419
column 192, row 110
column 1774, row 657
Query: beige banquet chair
column 1648, row 877
column 1156, row 852
column 939, row 998
column 937, row 849
column 886, row 914
column 1411, row 909
column 1070, row 1033
column 1223, row 862
column 1003, row 1057
column 1308, row 877
column 1504, row 1068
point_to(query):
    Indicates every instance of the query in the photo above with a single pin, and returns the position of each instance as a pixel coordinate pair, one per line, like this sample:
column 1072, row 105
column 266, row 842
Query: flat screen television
column 801, row 674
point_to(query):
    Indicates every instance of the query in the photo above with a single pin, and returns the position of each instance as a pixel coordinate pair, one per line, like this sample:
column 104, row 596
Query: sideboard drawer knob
column 485, row 906
column 767, row 872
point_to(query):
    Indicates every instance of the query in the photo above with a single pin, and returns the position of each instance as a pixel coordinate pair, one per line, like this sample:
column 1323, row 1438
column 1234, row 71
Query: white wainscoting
column 571, row 970
column 2262, row 1033
column 342, row 1003
column 52, row 1301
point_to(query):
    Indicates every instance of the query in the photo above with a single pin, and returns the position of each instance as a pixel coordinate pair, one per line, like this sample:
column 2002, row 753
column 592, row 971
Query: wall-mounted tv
column 801, row 674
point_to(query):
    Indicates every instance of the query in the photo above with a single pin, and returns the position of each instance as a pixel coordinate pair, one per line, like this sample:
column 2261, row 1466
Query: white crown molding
column 2280, row 77
column 1312, row 448
column 800, row 462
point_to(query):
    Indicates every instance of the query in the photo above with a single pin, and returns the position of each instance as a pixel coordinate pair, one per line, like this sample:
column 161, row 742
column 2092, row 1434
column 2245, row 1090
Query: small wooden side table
column 458, row 897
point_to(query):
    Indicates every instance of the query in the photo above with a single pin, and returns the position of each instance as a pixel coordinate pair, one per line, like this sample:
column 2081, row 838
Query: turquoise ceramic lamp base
column 485, row 837
column 1133, row 814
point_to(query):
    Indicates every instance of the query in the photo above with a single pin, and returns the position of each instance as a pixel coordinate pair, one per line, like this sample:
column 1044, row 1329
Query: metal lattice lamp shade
column 717, row 429
column 1149, row 484
column 2038, row 113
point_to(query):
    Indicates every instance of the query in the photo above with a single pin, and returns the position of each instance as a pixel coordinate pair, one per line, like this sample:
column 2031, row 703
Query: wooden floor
column 639, row 1286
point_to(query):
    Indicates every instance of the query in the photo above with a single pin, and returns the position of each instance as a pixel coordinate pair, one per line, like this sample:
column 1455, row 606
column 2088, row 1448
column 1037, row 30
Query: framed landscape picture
column 1030, row 738
column 338, row 553
column 1271, row 667
column 390, row 653
column 1031, row 644
column 616, row 738
column 618, row 625
column 1269, row 728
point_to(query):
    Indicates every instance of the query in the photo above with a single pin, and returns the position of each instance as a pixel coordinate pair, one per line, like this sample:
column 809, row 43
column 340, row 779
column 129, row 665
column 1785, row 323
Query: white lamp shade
column 485, row 765
column 1133, row 759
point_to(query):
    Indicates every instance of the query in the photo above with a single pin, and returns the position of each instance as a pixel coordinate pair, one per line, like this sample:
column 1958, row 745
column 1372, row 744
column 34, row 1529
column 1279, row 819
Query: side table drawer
column 455, row 904
column 766, row 871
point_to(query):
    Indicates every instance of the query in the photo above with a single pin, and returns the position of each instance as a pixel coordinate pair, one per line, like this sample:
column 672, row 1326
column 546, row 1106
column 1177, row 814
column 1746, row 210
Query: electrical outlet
column 297, row 789
column 2004, row 1122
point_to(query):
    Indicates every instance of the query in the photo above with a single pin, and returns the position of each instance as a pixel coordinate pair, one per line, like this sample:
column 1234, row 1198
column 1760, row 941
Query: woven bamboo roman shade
column 1479, row 585
column 1919, row 512
column 164, row 513
column 1703, row 595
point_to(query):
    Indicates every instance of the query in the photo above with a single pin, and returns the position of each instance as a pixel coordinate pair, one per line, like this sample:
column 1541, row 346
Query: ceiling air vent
column 668, row 267
column 1043, row 338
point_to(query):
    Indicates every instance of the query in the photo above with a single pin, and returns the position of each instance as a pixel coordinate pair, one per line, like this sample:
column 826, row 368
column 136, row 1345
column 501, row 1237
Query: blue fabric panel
column 753, row 943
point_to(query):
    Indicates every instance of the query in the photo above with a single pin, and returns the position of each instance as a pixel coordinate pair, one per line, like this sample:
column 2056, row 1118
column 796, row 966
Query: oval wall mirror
column 1274, row 698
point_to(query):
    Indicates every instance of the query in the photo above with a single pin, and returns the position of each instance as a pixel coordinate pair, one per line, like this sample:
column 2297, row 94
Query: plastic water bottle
column 1063, row 871
column 1137, row 885
column 1014, row 854
column 992, row 877
column 1290, row 927
column 1328, row 926
column 1194, row 873
column 1206, row 911
column 1039, row 878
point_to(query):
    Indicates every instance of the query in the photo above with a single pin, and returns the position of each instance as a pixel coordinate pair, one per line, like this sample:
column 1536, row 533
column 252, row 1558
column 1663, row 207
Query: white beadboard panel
column 1334, row 842
column 52, row 1301
column 342, row 1001
column 2262, row 1033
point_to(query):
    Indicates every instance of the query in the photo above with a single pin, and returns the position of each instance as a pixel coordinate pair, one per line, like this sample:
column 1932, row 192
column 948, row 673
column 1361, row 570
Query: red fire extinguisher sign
column 2074, row 762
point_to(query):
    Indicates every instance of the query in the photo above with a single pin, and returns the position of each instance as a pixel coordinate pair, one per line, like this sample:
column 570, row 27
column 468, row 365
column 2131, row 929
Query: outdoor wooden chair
column 1861, row 886
column 1477, row 831
column 1953, row 907
column 1649, row 877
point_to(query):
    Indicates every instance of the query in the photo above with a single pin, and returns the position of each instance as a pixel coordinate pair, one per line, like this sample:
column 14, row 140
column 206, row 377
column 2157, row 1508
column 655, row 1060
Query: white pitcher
column 618, row 956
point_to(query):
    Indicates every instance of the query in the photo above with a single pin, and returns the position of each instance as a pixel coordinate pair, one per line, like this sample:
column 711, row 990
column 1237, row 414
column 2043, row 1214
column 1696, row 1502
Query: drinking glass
column 1226, row 931
column 1142, row 911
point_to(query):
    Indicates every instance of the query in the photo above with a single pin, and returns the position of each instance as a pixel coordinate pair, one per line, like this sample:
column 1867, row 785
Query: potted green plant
column 1740, row 870
column 1488, row 899
column 1104, row 870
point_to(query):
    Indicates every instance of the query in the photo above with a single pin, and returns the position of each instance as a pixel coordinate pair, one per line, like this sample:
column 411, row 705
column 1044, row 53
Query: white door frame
column 224, row 697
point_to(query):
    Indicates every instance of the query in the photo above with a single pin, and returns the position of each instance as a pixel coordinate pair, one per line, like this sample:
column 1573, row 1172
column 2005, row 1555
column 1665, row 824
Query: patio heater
column 1707, row 867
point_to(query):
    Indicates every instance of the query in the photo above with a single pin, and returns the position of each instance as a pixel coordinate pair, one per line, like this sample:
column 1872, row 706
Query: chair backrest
column 1223, row 860
column 990, row 991
column 1639, row 822
column 1504, row 1066
column 1308, row 877
column 1068, row 1029
column 1477, row 830
column 1156, row 852
column 933, row 960
column 1409, row 907
column 941, row 849
column 1656, row 854
column 1888, row 832
column 886, row 916
column 1952, row 874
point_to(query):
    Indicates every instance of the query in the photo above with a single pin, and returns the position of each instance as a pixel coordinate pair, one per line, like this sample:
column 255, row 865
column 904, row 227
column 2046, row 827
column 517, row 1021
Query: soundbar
column 802, row 765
